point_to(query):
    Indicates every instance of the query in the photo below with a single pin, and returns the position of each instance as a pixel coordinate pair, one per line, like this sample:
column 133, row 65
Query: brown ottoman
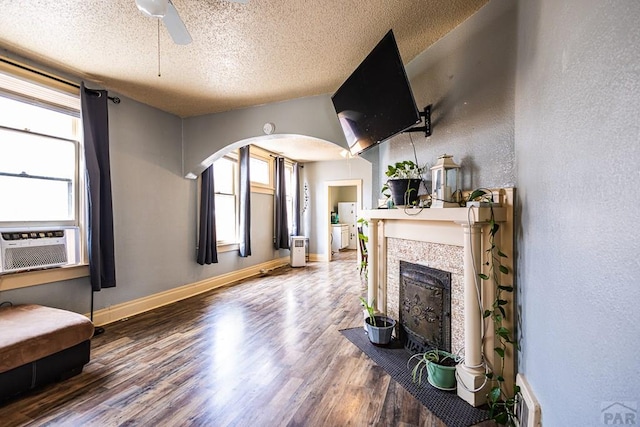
column 39, row 345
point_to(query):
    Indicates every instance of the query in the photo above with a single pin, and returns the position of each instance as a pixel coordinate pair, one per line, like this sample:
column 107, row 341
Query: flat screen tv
column 376, row 102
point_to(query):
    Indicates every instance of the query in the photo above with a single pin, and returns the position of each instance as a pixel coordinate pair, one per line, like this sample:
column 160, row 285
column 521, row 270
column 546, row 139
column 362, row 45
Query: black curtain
column 207, row 250
column 95, row 124
column 245, row 202
column 281, row 240
column 296, row 199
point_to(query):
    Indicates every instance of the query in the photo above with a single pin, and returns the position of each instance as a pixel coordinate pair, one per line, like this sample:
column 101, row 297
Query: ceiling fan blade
column 152, row 8
column 175, row 26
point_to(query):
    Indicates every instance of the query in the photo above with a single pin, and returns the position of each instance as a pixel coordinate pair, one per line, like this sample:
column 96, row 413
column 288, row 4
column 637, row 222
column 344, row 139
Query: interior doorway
column 340, row 191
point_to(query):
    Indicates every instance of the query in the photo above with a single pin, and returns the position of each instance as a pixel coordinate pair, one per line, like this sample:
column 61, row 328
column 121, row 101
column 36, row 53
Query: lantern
column 445, row 181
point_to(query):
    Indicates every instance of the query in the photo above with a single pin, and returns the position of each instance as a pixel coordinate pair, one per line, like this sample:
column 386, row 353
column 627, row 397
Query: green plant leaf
column 506, row 288
column 476, row 194
column 503, row 332
column 503, row 269
column 486, row 314
column 504, row 313
column 492, row 410
column 494, row 394
column 501, row 254
column 483, row 276
column 500, row 352
column 370, row 309
column 502, row 302
column 489, row 375
column 501, row 418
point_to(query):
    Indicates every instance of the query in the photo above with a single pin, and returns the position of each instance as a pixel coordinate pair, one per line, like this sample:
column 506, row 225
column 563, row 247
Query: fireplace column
column 471, row 373
column 376, row 247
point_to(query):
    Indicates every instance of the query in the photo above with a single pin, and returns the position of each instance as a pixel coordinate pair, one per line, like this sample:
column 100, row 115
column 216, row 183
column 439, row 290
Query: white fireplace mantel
column 456, row 215
column 464, row 227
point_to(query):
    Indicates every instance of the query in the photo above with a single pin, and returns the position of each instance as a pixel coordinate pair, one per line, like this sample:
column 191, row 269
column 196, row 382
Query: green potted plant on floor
column 379, row 327
column 403, row 182
column 440, row 367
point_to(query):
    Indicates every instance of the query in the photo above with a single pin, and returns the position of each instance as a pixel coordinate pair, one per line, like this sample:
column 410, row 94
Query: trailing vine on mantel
column 502, row 405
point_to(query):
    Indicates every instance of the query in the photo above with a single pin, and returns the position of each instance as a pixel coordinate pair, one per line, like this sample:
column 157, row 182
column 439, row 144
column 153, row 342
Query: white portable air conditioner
column 30, row 249
column 298, row 255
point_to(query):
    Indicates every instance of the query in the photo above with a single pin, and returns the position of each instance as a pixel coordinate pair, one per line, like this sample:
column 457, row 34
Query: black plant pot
column 404, row 191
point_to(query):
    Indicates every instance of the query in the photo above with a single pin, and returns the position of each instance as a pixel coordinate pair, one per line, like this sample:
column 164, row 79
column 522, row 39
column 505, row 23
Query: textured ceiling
column 241, row 54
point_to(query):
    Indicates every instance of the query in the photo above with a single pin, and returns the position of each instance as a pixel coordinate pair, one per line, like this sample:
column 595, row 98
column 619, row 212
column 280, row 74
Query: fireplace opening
column 425, row 308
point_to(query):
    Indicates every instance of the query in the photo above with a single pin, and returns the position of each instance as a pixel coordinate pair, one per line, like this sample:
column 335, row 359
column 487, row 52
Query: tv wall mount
column 426, row 114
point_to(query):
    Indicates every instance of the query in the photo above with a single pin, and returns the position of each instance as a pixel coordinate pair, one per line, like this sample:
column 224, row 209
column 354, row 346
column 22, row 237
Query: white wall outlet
column 528, row 410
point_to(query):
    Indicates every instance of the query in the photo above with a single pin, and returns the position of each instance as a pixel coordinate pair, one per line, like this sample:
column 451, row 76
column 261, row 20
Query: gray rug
column 446, row 405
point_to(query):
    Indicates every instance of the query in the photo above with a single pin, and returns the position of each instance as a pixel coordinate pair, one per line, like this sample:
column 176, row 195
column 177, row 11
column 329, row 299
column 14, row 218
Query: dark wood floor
column 265, row 352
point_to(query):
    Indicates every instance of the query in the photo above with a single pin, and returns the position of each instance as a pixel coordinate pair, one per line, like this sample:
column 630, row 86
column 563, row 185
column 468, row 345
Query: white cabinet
column 339, row 237
column 345, row 237
column 347, row 213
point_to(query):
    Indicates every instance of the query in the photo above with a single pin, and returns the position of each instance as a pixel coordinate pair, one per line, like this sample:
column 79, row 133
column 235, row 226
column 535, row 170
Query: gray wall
column 207, row 137
column 154, row 207
column 154, row 218
column 577, row 150
column 468, row 76
column 343, row 194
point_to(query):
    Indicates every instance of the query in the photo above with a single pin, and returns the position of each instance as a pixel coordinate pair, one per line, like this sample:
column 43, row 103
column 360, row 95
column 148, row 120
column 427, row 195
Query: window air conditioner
column 30, row 249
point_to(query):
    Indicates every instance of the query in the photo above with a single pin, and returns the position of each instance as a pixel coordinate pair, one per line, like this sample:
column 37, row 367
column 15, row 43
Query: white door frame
column 329, row 185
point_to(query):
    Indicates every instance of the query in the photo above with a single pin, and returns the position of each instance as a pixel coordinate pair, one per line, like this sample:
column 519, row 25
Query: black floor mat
column 446, row 405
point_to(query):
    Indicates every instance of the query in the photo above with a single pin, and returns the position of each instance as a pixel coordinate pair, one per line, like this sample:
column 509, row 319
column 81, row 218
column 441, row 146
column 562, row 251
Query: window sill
column 39, row 277
column 228, row 247
column 262, row 190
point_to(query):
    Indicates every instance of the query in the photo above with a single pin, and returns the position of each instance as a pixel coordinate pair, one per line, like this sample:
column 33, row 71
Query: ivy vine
column 501, row 403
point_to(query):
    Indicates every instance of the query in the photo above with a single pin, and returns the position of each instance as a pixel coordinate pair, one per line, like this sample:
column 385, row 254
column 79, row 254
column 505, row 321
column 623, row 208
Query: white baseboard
column 318, row 258
column 131, row 308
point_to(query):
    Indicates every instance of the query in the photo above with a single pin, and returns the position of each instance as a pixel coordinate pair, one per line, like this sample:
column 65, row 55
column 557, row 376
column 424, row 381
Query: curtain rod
column 114, row 99
column 286, row 158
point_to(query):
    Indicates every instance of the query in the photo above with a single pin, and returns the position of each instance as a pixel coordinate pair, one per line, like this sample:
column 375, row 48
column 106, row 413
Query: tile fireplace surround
column 454, row 240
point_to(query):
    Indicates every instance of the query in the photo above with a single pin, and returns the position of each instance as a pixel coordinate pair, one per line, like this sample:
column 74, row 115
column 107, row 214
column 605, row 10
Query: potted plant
column 379, row 328
column 440, row 366
column 403, row 182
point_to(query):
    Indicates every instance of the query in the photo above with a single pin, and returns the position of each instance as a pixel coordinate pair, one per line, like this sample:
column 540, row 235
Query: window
column 225, row 173
column 37, row 170
column 39, row 155
column 260, row 171
column 41, row 167
column 289, row 188
column 225, row 176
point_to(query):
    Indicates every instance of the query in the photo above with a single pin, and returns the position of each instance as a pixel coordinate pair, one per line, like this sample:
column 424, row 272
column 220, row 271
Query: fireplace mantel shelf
column 457, row 215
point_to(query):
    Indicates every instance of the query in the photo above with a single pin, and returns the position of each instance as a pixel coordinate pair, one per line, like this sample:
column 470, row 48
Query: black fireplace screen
column 425, row 308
